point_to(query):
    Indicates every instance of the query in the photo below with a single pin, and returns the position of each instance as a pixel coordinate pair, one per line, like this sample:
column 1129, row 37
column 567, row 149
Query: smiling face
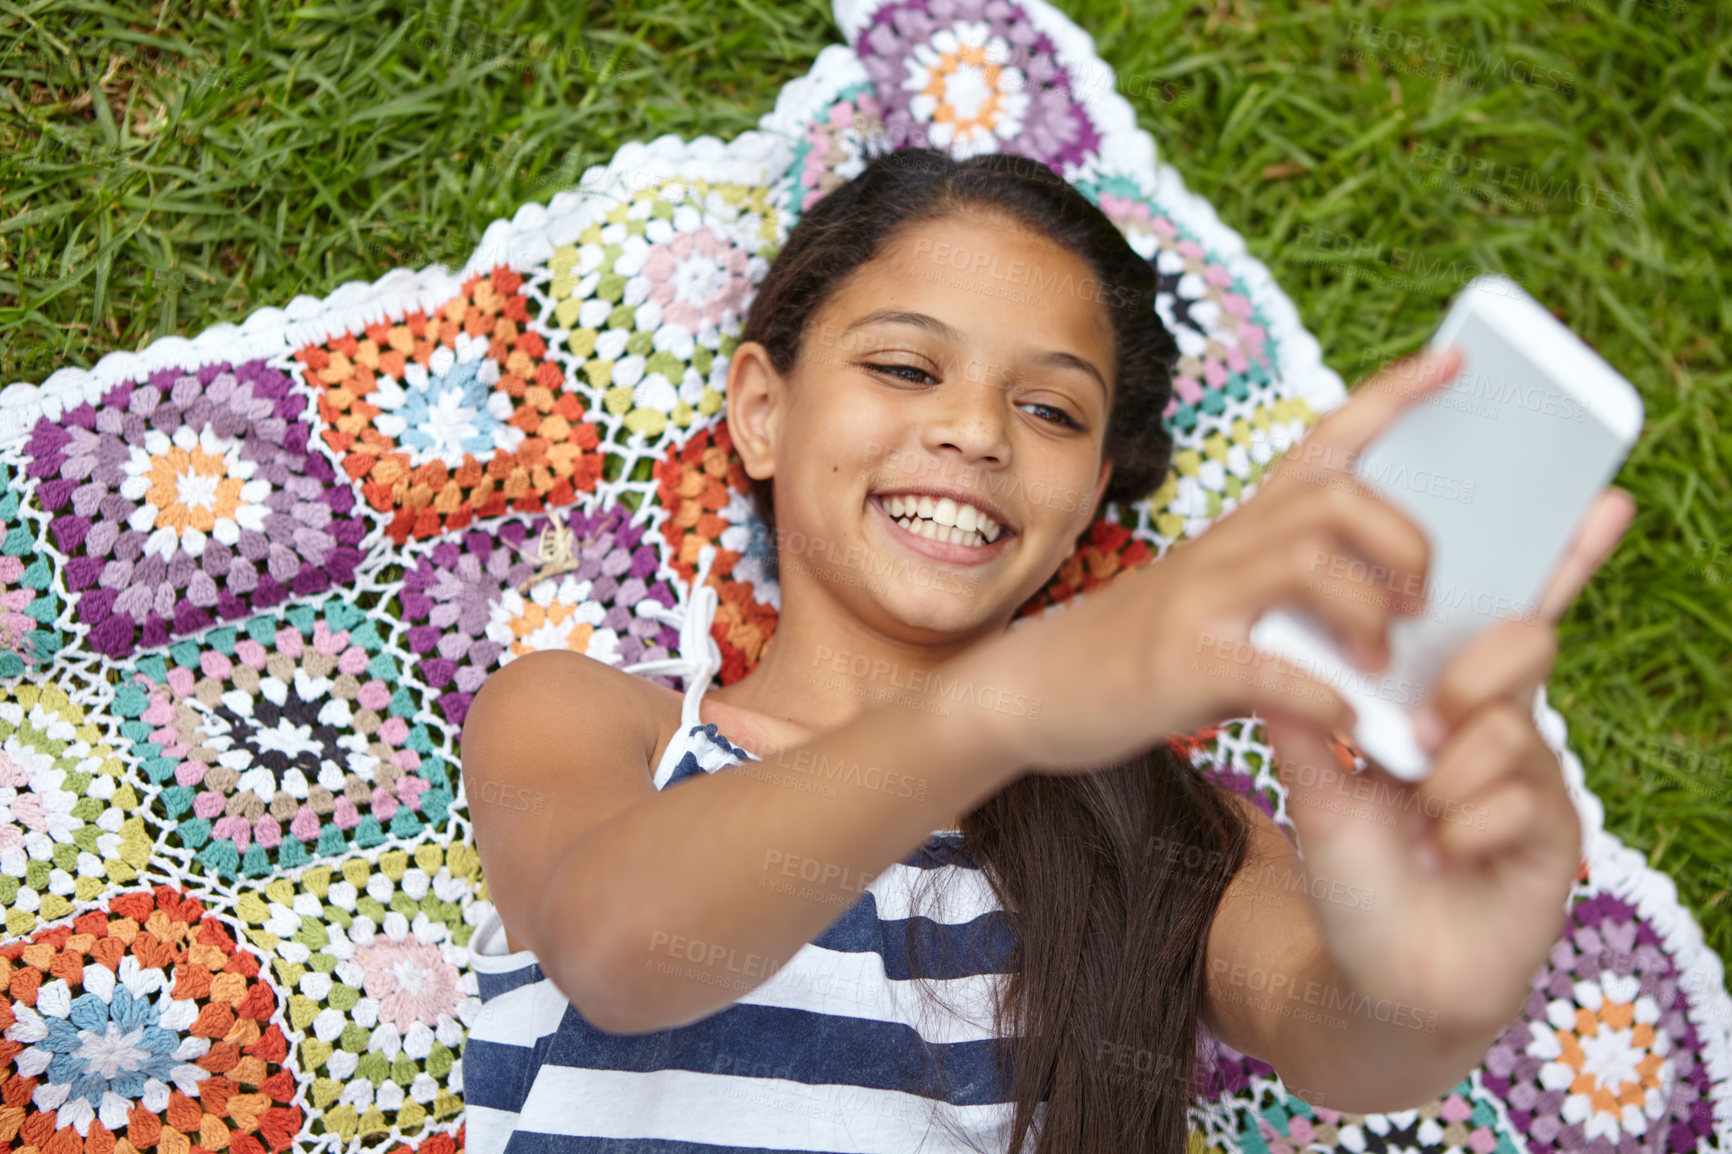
column 937, row 447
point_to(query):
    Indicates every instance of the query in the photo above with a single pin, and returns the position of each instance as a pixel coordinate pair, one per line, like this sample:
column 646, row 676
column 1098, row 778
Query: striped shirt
column 839, row 1052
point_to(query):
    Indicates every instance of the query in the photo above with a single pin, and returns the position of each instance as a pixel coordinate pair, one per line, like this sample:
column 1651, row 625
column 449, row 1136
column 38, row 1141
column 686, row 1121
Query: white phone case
column 1498, row 468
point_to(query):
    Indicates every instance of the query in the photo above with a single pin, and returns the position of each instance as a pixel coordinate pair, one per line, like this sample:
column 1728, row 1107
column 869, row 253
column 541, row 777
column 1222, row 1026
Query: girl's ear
column 756, row 393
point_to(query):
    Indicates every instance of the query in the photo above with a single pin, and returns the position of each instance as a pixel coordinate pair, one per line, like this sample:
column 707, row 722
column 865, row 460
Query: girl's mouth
column 970, row 537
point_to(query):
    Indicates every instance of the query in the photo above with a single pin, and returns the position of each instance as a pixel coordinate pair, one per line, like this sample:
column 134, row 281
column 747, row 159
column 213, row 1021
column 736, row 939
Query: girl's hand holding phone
column 1482, row 851
column 1473, row 865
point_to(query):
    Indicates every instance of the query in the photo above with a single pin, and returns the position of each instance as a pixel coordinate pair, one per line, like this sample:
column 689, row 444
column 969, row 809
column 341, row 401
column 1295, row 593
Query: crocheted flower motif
column 446, row 409
column 837, row 145
column 1250, row 1108
column 653, row 293
column 1223, row 339
column 189, row 498
column 69, row 821
column 473, row 608
column 30, row 606
column 292, row 736
column 459, row 414
column 590, row 609
column 974, row 76
column 703, row 489
column 142, row 1023
column 375, row 957
column 1606, row 1056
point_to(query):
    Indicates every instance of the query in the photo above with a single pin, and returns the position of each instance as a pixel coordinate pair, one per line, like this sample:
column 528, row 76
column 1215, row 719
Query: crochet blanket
column 250, row 582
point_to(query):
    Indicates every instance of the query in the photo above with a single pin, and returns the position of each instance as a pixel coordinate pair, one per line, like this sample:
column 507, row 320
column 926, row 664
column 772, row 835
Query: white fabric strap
column 699, row 657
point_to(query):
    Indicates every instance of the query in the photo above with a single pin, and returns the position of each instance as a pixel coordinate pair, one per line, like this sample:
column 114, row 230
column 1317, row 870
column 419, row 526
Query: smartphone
column 1498, row 468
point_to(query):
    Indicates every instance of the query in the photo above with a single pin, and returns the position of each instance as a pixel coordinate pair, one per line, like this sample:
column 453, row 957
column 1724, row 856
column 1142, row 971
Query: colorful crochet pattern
column 251, row 581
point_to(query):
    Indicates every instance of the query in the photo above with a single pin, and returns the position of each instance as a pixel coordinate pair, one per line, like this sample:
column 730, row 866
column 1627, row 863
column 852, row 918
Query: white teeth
column 960, row 523
column 936, row 532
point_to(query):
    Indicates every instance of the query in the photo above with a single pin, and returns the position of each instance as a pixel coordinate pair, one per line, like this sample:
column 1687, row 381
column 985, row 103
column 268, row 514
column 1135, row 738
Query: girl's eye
column 1059, row 417
column 898, row 369
column 1064, row 417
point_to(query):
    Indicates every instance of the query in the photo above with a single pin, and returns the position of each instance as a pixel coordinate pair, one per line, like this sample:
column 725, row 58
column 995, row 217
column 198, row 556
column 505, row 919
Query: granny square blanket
column 250, row 582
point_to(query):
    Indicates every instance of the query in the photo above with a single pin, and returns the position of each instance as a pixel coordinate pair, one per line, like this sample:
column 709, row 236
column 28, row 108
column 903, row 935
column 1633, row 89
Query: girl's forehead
column 984, row 277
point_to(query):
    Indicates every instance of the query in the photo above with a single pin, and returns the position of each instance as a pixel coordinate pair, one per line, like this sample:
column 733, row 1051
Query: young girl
column 930, row 882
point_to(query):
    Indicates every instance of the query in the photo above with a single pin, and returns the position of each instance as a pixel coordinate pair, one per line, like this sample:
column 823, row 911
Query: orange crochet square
column 524, row 443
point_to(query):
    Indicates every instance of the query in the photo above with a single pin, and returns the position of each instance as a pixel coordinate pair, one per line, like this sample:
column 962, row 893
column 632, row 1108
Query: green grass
column 167, row 168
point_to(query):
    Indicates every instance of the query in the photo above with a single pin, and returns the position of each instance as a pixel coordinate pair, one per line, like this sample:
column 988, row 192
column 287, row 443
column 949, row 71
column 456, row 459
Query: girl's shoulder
column 757, row 733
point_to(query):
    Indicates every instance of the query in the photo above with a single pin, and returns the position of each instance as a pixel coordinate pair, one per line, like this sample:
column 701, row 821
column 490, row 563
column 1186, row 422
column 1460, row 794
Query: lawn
column 168, row 167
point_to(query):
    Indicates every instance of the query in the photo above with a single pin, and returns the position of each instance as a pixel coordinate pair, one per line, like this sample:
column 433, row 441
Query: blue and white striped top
column 834, row 1054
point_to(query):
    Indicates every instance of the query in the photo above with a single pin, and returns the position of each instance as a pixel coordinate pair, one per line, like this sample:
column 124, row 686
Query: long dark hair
column 1102, row 1005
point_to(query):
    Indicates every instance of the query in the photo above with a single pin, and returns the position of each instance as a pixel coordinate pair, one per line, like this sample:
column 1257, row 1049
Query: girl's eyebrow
column 901, row 317
column 937, row 327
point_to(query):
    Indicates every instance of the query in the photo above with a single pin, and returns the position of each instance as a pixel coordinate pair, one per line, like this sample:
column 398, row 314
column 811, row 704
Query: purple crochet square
column 190, row 498
column 468, row 616
column 973, row 77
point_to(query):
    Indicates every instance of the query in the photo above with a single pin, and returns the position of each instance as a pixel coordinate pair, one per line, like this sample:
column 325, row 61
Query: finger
column 1506, row 780
column 1357, row 617
column 1262, row 683
column 1315, row 573
column 1507, row 663
column 1598, row 534
column 1376, row 403
column 1341, row 535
